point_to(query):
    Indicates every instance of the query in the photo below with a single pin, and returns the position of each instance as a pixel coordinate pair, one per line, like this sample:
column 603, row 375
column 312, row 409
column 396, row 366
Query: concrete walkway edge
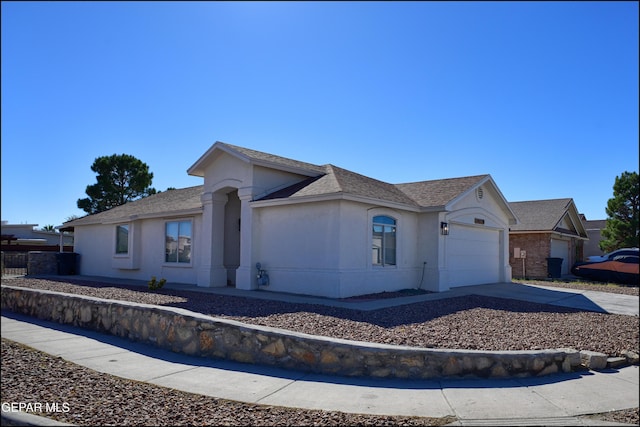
column 552, row 400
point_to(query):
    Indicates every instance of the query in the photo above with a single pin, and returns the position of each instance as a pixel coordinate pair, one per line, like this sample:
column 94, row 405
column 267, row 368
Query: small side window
column 122, row 239
column 384, row 241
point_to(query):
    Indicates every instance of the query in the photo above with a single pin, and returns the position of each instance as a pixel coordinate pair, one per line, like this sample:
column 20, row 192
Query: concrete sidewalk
column 550, row 400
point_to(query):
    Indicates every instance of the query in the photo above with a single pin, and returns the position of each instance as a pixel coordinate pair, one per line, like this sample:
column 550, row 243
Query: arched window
column 384, row 241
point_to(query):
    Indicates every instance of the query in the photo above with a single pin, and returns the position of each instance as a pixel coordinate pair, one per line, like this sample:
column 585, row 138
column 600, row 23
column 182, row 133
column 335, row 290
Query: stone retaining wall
column 196, row 334
column 42, row 262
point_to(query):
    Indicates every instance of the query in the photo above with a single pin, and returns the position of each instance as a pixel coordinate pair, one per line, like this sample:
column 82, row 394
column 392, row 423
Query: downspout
column 424, row 265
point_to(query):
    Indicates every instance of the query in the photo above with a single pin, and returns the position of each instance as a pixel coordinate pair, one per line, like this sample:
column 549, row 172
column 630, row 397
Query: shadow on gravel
column 246, row 308
column 192, row 361
column 418, row 312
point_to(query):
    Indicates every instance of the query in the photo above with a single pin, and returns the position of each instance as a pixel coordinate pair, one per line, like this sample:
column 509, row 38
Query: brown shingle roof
column 166, row 202
column 332, row 180
column 439, row 192
column 539, row 215
column 595, row 224
column 328, row 179
column 338, row 180
column 360, row 185
column 271, row 158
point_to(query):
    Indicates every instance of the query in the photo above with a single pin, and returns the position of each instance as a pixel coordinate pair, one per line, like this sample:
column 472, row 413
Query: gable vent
column 479, row 193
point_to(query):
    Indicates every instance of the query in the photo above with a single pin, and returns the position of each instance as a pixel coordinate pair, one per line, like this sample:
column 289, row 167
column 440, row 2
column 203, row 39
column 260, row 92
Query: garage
column 472, row 255
column 560, row 249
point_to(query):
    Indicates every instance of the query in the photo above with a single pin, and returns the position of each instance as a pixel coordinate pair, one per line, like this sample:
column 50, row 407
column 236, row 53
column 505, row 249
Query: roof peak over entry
column 330, row 179
column 255, row 157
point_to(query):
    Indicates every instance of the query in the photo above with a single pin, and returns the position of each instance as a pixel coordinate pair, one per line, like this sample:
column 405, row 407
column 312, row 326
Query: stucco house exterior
column 547, row 229
column 315, row 229
column 594, row 229
column 27, row 234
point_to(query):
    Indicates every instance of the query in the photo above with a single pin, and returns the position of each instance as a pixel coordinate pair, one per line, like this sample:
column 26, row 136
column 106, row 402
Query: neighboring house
column 26, row 234
column 547, row 229
column 594, row 231
column 316, row 230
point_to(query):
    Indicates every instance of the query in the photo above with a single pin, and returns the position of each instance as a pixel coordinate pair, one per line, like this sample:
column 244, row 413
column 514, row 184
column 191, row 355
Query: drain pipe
column 424, row 265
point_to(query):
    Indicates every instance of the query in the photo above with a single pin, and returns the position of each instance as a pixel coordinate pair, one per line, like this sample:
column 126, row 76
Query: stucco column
column 204, row 239
column 506, row 273
column 246, row 273
column 443, row 269
column 211, row 272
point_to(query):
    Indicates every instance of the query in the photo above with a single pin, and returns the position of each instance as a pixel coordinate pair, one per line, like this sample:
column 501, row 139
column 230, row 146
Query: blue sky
column 541, row 95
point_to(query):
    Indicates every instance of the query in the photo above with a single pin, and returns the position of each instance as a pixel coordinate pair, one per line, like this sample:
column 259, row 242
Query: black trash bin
column 66, row 263
column 554, row 267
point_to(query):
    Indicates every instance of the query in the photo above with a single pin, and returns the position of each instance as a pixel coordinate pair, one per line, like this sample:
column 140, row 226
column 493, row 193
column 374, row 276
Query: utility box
column 67, row 262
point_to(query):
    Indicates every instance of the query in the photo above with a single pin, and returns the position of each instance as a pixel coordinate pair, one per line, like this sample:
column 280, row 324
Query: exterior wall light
column 444, row 228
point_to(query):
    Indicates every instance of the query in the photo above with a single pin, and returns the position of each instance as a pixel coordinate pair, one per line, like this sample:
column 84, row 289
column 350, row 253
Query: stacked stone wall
column 42, row 263
column 195, row 334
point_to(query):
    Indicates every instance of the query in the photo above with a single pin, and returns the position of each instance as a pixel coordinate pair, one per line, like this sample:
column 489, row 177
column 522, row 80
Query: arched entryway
column 225, row 245
column 231, row 242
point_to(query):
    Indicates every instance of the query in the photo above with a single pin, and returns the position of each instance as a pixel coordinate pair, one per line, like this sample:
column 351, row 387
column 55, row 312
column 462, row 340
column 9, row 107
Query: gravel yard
column 471, row 322
column 97, row 399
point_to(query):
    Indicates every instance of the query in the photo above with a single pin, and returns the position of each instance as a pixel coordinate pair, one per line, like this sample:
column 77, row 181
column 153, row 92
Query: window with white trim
column 384, row 241
column 122, row 239
column 178, row 242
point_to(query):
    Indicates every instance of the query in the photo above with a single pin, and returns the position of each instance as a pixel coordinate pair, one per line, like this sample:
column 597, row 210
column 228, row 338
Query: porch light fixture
column 444, row 228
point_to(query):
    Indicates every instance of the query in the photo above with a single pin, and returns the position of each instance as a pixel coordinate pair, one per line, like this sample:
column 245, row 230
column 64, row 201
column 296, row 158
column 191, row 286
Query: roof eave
column 531, row 231
column 333, row 196
column 439, row 208
column 571, row 211
column 129, row 218
column 548, row 232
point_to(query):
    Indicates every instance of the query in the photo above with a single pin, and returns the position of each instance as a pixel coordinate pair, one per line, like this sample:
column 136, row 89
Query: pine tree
column 622, row 211
column 121, row 179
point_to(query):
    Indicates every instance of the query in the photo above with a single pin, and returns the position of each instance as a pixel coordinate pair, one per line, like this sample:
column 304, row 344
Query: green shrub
column 154, row 285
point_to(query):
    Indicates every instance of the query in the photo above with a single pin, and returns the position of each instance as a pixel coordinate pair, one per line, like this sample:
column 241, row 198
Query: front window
column 384, row 241
column 122, row 239
column 178, row 242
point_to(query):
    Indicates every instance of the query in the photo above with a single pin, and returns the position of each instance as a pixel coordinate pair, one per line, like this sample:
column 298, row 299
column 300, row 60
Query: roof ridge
column 269, row 157
column 330, row 165
column 545, row 200
column 331, row 173
column 444, row 179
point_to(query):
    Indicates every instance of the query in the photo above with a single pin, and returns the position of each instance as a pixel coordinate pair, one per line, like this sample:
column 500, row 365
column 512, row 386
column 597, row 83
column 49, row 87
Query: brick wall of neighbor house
column 538, row 247
column 578, row 247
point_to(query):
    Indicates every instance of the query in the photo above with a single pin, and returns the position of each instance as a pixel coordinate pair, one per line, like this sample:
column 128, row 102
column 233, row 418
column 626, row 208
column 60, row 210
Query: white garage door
column 560, row 249
column 473, row 255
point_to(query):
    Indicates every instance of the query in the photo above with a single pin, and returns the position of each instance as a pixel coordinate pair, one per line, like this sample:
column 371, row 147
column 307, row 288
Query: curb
column 25, row 419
